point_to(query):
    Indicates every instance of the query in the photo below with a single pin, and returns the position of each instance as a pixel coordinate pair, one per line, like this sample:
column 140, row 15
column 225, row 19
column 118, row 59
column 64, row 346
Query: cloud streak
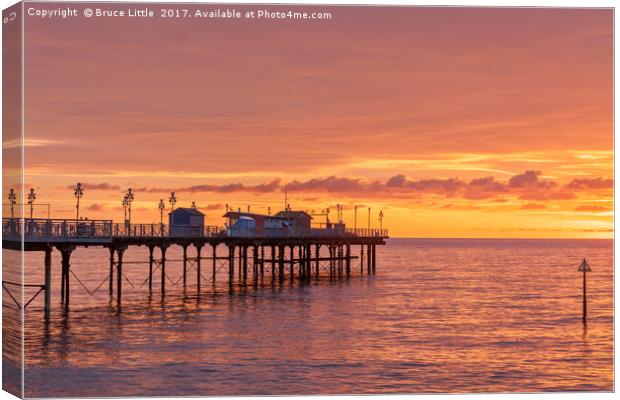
column 525, row 186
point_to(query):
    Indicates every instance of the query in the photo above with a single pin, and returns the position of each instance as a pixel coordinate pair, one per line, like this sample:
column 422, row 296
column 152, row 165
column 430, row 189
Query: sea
column 437, row 316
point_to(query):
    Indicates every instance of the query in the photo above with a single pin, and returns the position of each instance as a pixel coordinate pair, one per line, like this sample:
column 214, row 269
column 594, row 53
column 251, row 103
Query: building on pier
column 186, row 222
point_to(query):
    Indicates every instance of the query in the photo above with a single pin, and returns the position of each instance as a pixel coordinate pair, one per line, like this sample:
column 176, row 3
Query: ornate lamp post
column 12, row 200
column 369, row 218
column 130, row 197
column 172, row 200
column 78, row 193
column 162, row 207
column 381, row 219
column 125, row 203
column 31, row 198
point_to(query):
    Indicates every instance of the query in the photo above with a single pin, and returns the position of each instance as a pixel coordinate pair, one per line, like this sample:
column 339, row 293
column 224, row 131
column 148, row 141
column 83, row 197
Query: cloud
column 215, row 206
column 95, row 207
column 226, row 188
column 592, row 208
column 96, row 186
column 525, row 186
column 596, row 183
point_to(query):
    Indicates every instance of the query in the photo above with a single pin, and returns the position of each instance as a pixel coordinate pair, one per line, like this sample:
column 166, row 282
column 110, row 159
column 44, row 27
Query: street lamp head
column 79, row 191
column 12, row 197
column 172, row 199
column 130, row 195
column 31, row 196
column 125, row 201
column 162, row 205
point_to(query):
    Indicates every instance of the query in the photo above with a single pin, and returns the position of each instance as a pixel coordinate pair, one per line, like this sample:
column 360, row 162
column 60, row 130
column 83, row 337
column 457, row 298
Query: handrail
column 39, row 228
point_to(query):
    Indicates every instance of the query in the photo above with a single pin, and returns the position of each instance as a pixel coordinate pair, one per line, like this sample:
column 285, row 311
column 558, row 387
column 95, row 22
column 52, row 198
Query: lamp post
column 31, row 198
column 162, row 207
column 130, row 197
column 355, row 217
column 78, row 192
column 125, row 203
column 369, row 218
column 12, row 200
column 585, row 268
column 381, row 219
column 172, row 200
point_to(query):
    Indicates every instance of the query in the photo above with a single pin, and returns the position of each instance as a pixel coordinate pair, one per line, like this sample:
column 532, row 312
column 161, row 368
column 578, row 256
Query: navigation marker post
column 585, row 268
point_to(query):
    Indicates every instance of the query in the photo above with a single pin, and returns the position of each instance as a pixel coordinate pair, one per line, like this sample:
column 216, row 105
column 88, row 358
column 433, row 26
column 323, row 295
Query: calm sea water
column 438, row 316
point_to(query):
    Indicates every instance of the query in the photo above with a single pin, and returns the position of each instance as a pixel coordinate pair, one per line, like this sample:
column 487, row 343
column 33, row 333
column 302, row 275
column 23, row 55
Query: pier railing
column 45, row 229
column 12, row 228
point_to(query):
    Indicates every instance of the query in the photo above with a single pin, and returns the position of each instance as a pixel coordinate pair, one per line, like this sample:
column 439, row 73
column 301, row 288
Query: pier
column 276, row 256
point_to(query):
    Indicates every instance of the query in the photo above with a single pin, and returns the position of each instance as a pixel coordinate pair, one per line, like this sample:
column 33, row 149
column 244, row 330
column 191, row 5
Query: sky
column 454, row 122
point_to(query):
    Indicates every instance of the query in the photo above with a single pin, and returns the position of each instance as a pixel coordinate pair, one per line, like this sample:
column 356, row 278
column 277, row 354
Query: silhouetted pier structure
column 285, row 256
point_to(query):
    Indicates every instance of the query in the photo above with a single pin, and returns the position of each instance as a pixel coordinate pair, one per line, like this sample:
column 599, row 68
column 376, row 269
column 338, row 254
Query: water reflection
column 442, row 316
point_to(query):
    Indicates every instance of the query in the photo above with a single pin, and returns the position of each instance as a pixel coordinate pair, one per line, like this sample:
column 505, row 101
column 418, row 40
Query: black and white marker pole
column 585, row 268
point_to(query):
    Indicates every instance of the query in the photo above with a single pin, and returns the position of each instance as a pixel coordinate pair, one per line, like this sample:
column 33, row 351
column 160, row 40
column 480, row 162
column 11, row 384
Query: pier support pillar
column 262, row 262
column 214, row 252
column 198, row 257
column 151, row 249
column 362, row 259
column 245, row 263
column 184, row 265
column 231, row 265
column 292, row 258
column 65, row 252
column 163, row 269
column 374, row 258
column 48, row 280
column 318, row 257
column 369, row 259
column 119, row 274
column 348, row 260
column 273, row 263
column 111, row 278
column 281, row 262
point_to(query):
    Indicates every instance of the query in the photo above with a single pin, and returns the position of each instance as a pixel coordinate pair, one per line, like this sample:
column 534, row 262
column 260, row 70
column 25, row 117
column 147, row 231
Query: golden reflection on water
column 439, row 316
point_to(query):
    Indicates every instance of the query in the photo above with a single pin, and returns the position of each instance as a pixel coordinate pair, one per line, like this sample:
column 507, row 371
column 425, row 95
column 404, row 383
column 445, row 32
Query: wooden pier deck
column 292, row 256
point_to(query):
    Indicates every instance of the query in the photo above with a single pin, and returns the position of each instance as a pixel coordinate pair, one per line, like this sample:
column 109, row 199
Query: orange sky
column 455, row 122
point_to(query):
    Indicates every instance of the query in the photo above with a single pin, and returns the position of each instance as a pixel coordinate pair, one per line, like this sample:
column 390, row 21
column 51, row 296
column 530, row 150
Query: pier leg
column 292, row 268
column 65, row 253
column 163, row 269
column 262, row 262
column 255, row 263
column 340, row 263
column 245, row 263
column 198, row 275
column 112, row 251
column 240, row 262
column 300, row 271
column 281, row 262
column 374, row 258
column 214, row 251
column 348, row 261
column 184, row 265
column 309, row 261
column 231, row 265
column 273, row 263
column 369, row 260
column 362, row 259
column 48, row 280
column 318, row 256
column 151, row 249
column 119, row 274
